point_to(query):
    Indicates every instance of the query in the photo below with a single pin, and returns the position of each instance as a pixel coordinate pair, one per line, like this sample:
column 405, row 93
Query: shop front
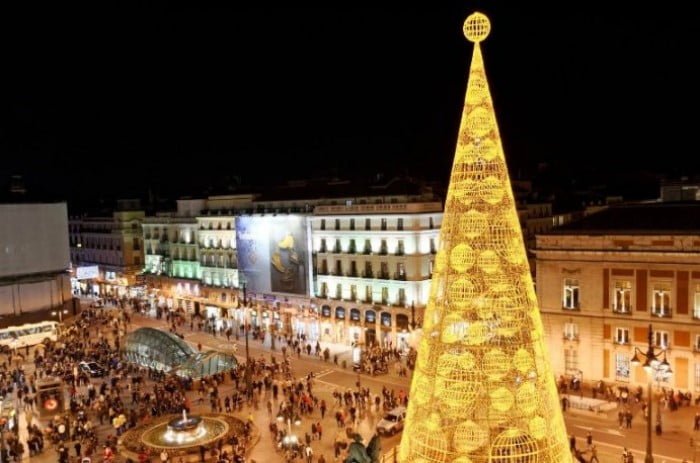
column 370, row 324
column 326, row 324
column 339, row 324
column 385, row 327
column 402, row 333
column 355, row 328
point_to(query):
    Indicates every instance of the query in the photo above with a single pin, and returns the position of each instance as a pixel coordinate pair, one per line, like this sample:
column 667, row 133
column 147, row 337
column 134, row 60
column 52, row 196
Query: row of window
column 661, row 338
column 383, row 224
column 368, row 272
column 622, row 297
column 367, row 296
column 367, row 248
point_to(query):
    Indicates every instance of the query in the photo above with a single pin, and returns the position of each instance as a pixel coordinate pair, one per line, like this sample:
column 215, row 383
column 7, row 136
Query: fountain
column 181, row 435
column 185, row 430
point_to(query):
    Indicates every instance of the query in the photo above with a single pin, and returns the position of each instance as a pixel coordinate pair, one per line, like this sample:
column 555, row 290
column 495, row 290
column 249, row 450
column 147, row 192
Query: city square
column 397, row 316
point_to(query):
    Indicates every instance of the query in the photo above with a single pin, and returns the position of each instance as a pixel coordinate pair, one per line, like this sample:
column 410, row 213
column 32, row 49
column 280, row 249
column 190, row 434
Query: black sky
column 107, row 101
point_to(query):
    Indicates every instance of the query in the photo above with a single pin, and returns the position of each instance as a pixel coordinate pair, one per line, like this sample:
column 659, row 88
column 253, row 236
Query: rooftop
column 639, row 218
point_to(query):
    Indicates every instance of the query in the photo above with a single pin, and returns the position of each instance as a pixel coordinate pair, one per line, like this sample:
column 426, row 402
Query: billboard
column 273, row 253
column 33, row 238
column 86, row 272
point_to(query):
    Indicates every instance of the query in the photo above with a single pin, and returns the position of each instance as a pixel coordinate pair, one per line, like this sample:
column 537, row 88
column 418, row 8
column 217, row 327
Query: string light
column 483, row 390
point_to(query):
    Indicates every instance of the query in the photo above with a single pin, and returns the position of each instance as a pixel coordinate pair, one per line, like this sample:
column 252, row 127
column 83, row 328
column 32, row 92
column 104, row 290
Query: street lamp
column 654, row 368
column 248, row 368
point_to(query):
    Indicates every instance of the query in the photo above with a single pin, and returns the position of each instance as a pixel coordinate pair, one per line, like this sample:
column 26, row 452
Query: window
column 368, row 270
column 696, row 306
column 622, row 302
column 338, row 291
column 368, row 224
column 661, row 300
column 338, row 268
column 323, row 245
column 337, row 224
column 385, row 295
column 661, row 339
column 622, row 367
column 383, row 248
column 431, row 224
column 400, row 271
column 432, row 246
column 622, row 336
column 696, row 346
column 399, row 248
column 353, row 292
column 368, row 293
column 571, row 331
column 352, row 248
column 571, row 294
column 324, row 289
column 571, row 360
column 383, row 224
column 399, row 224
column 384, row 270
column 323, row 224
column 368, row 247
column 336, row 247
column 352, row 224
column 402, row 297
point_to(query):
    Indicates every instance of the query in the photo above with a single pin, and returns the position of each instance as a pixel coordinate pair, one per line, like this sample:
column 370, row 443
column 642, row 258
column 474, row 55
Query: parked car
column 392, row 422
column 92, row 368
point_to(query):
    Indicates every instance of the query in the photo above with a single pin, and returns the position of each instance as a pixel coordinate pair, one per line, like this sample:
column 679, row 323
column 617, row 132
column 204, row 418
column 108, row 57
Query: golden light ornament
column 502, row 399
column 469, row 436
column 483, row 387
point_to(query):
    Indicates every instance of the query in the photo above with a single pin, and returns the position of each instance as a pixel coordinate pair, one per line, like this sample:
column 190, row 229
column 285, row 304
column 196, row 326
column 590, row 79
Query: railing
column 575, row 306
column 661, row 313
column 570, row 337
column 622, row 311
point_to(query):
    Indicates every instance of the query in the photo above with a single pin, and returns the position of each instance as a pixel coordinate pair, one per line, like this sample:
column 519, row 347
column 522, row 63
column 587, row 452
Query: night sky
column 112, row 101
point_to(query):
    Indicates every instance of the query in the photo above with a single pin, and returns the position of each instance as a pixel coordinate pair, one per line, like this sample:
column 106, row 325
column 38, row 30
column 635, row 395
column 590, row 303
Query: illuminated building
column 113, row 243
column 602, row 280
column 483, row 389
column 373, row 266
column 34, row 261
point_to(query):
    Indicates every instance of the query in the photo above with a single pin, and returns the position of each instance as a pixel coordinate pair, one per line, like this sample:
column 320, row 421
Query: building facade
column 34, row 262
column 113, row 244
column 602, row 281
column 373, row 264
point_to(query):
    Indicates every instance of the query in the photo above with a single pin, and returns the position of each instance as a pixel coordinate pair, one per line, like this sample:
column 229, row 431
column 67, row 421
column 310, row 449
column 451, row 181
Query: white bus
column 29, row 334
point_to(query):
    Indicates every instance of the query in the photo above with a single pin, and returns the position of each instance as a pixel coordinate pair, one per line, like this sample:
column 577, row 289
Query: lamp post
column 654, row 368
column 246, row 326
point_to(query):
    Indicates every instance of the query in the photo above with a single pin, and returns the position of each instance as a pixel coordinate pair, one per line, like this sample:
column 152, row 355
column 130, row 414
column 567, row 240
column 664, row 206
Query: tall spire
column 483, row 390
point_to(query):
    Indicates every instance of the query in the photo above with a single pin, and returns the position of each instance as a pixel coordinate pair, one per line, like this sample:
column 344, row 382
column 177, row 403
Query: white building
column 373, row 265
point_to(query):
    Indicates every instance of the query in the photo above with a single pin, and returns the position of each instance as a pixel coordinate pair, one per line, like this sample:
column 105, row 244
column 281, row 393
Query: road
column 672, row 447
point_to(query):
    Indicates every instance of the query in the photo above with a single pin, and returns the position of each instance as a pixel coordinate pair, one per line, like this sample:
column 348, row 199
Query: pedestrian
column 594, row 455
column 321, row 459
column 78, row 449
column 308, row 451
column 696, row 426
column 572, row 443
column 589, row 439
column 164, row 456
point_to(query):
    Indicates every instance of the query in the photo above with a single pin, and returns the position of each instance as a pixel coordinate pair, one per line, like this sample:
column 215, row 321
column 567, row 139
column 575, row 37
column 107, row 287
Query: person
column 164, row 456
column 594, row 454
column 589, row 439
column 309, row 452
column 321, row 459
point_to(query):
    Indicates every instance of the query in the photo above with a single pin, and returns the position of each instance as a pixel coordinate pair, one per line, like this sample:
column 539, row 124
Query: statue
column 357, row 453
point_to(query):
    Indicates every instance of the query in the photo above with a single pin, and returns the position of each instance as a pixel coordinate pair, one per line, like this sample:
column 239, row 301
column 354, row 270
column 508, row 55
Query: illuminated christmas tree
column 483, row 390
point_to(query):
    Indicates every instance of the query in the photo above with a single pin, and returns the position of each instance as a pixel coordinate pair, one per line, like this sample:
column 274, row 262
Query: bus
column 29, row 334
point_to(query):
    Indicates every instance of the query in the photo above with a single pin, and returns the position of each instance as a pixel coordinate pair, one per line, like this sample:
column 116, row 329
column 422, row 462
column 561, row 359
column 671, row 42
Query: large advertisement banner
column 273, row 253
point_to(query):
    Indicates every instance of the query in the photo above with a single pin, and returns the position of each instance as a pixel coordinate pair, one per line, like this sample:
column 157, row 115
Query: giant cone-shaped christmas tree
column 483, row 390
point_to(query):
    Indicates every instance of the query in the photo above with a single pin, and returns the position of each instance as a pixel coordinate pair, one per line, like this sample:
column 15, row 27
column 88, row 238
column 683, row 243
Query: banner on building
column 87, row 272
column 273, row 253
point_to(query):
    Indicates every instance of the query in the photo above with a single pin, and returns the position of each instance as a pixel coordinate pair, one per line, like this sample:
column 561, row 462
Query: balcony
column 621, row 341
column 666, row 312
column 575, row 307
column 367, row 274
column 400, row 276
column 352, row 274
column 322, row 272
column 571, row 337
column 383, row 275
column 622, row 310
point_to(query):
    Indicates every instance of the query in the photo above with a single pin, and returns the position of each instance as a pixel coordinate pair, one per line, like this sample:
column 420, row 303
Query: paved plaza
column 610, row 439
